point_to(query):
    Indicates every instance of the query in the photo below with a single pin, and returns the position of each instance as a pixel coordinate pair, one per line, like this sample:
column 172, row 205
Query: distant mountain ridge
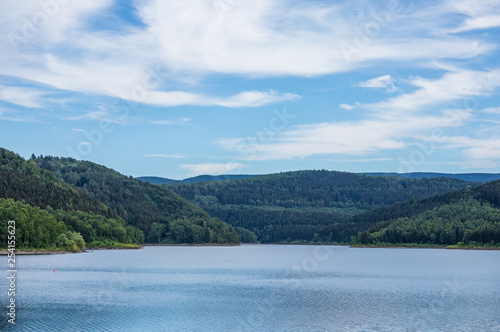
column 293, row 206
column 199, row 178
column 470, row 177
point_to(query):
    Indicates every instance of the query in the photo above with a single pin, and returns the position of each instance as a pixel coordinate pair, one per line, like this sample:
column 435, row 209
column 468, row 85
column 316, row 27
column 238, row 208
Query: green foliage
column 26, row 182
column 245, row 235
column 70, row 240
column 41, row 229
column 295, row 205
column 34, row 228
column 465, row 218
column 161, row 215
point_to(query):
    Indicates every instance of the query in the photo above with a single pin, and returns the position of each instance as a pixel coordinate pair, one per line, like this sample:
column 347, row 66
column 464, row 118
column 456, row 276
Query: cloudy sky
column 181, row 88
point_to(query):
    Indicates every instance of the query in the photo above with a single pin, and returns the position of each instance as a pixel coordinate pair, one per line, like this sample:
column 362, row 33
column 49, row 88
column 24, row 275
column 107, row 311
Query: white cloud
column 468, row 86
column 491, row 110
column 46, row 21
column 256, row 38
column 482, row 14
column 103, row 116
column 25, row 97
column 346, row 106
column 13, row 115
column 385, row 82
column 483, row 22
column 243, row 99
column 173, row 156
column 171, row 122
column 211, row 168
column 362, row 160
column 358, row 138
column 477, row 153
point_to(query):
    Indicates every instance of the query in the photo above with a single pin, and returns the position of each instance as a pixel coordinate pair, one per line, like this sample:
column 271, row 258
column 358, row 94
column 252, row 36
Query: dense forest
column 59, row 203
column 466, row 218
column 26, row 182
column 45, row 207
column 295, row 206
column 37, row 228
column 472, row 177
column 70, row 204
column 162, row 215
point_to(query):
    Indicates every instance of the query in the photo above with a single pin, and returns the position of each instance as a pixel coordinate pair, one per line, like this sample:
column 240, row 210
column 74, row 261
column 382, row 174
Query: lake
column 258, row 288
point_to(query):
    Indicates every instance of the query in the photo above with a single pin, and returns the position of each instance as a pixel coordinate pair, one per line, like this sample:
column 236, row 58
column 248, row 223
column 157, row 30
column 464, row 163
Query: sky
column 183, row 88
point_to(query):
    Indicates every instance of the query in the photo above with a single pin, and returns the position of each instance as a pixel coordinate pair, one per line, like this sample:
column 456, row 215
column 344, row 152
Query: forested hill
column 24, row 181
column 467, row 218
column 50, row 213
column 161, row 214
column 295, row 205
column 472, row 177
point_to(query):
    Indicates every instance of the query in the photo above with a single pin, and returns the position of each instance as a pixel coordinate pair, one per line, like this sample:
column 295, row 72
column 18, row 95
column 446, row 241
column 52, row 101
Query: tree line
column 469, row 217
column 294, row 206
column 162, row 215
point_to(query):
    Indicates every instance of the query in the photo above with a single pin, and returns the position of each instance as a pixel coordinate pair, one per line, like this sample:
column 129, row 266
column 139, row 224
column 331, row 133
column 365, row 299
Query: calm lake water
column 258, row 288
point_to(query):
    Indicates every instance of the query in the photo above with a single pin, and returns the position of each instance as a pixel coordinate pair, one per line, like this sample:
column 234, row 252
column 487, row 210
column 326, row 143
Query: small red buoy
column 53, row 270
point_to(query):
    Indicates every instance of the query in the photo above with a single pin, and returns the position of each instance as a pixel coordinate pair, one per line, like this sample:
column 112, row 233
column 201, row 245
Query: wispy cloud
column 477, row 153
column 392, row 124
column 346, row 106
column 358, row 160
column 452, row 86
column 171, row 122
column 26, row 97
column 384, row 82
column 173, row 156
column 211, row 168
column 359, row 138
column 260, row 38
column 243, row 99
column 110, row 117
column 481, row 14
column 14, row 116
column 491, row 110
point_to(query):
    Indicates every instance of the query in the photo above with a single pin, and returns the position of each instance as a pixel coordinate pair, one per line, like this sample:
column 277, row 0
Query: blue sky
column 182, row 88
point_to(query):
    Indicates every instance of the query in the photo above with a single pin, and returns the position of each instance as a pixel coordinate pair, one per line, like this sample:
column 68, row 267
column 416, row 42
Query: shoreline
column 420, row 247
column 191, row 245
column 39, row 252
column 5, row 252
